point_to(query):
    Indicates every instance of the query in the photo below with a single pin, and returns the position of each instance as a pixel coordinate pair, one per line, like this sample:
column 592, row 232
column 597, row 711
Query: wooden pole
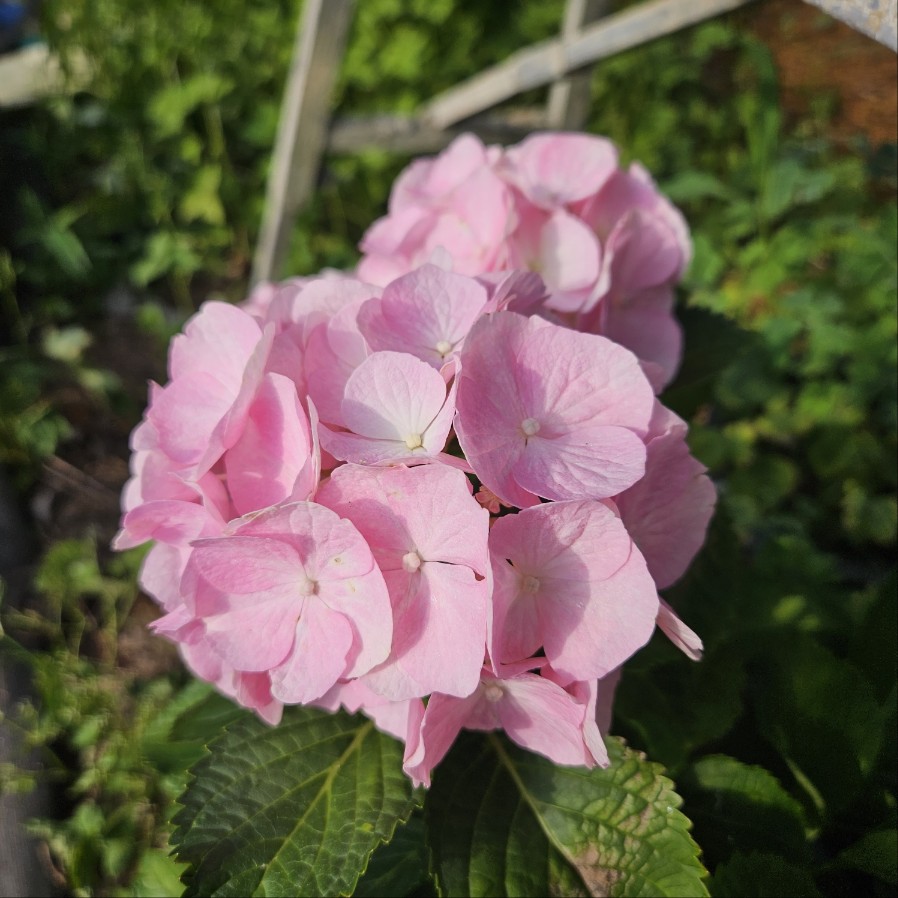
column 569, row 98
column 543, row 63
column 302, row 129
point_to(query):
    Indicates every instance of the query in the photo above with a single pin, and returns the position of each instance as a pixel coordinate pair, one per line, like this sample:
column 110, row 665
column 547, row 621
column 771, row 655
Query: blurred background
column 135, row 192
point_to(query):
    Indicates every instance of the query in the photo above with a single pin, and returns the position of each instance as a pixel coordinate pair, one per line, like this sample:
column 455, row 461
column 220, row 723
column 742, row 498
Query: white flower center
column 530, row 584
column 307, row 587
column 444, row 347
column 530, row 426
column 411, row 561
column 493, row 692
column 414, row 441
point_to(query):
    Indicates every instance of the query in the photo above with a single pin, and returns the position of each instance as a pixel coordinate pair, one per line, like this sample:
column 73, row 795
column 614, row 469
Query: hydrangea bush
column 441, row 490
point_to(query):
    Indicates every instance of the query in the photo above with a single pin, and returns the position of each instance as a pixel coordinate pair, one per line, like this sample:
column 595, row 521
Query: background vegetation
column 125, row 204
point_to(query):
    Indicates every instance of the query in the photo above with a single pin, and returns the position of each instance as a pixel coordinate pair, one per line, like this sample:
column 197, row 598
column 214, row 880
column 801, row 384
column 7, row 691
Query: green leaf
column 743, row 805
column 203, row 201
column 875, row 853
column 760, row 875
column 290, row 810
column 158, row 874
column 504, row 821
column 400, row 867
column 170, row 106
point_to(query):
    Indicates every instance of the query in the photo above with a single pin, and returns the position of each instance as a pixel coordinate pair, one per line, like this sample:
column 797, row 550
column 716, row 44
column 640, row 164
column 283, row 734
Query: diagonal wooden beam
column 570, row 97
column 302, row 128
column 545, row 62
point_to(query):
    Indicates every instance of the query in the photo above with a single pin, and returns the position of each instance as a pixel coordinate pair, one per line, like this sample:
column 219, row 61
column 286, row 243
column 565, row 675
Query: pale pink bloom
column 563, row 250
column 274, row 459
column 429, row 537
column 667, row 512
column 455, row 201
column 333, row 352
column 260, row 299
column 295, row 591
column 536, row 713
column 427, row 313
column 545, row 411
column 685, row 639
column 514, row 291
column 396, row 409
column 395, row 718
column 645, row 239
column 252, row 690
column 568, row 578
column 216, row 366
column 556, row 169
column 645, row 323
column 173, row 521
column 596, row 697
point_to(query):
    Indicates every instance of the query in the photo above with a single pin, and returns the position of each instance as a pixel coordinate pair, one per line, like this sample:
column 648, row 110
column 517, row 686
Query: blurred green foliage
column 151, row 176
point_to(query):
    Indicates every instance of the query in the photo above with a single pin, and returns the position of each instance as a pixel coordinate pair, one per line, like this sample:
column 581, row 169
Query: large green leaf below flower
column 292, row 810
column 503, row 821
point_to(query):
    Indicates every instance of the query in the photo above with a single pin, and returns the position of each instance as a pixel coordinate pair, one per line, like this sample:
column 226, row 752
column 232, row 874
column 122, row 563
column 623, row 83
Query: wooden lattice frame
column 587, row 35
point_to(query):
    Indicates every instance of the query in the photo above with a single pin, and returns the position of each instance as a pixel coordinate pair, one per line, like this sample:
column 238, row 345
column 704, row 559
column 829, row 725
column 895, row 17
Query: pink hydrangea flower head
column 429, row 537
column 568, row 578
column 546, row 411
column 396, row 409
column 426, row 313
column 295, row 591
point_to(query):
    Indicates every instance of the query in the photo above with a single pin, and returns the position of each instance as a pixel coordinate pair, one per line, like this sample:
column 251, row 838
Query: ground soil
column 821, row 59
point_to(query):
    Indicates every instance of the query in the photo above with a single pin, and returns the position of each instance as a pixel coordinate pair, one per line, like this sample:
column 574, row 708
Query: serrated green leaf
column 158, row 875
column 504, row 821
column 400, row 867
column 292, row 810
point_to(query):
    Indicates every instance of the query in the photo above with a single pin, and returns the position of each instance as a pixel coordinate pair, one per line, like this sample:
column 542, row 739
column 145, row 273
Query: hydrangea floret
column 441, row 490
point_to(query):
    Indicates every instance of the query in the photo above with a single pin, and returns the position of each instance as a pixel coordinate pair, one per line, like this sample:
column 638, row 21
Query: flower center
column 530, row 584
column 414, row 441
column 411, row 561
column 307, row 587
column 530, row 426
column 493, row 692
column 444, row 347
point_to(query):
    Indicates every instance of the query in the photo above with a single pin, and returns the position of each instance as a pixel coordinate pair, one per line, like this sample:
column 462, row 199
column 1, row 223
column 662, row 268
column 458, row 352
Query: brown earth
column 823, row 60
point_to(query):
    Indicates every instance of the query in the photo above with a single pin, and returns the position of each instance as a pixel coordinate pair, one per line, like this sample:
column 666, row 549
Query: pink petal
column 440, row 637
column 540, row 716
column 591, row 462
column 442, row 722
column 426, row 313
column 678, row 633
column 392, row 396
column 555, row 169
column 318, row 659
column 241, row 565
column 276, row 443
